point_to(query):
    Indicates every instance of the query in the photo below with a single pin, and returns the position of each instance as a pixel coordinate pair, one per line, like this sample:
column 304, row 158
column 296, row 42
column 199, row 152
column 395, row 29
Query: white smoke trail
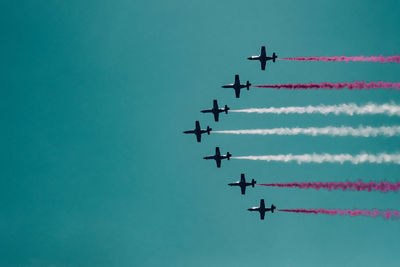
column 331, row 131
column 332, row 158
column 351, row 109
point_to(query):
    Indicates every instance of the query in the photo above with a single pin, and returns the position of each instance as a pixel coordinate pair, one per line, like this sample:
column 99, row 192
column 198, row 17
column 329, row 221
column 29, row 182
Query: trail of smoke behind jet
column 326, row 85
column 373, row 213
column 356, row 186
column 332, row 158
column 380, row 59
column 331, row 131
column 345, row 109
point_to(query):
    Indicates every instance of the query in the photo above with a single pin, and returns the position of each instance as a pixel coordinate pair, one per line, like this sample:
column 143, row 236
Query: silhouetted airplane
column 216, row 110
column 198, row 132
column 218, row 157
column 263, row 57
column 242, row 183
column 237, row 86
column 261, row 209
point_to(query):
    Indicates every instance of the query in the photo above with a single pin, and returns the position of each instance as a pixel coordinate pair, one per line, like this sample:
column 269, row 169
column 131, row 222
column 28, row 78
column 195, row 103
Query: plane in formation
column 263, row 57
column 198, row 131
column 218, row 157
column 261, row 209
column 216, row 110
column 237, row 86
column 242, row 183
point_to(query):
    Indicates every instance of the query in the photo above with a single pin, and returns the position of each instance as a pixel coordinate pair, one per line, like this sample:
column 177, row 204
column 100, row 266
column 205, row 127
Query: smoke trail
column 325, row 85
column 332, row 158
column 373, row 213
column 331, row 131
column 380, row 59
column 357, row 186
column 346, row 109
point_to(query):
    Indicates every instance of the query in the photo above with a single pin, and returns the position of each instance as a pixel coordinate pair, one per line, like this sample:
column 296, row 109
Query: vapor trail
column 345, row 109
column 357, row 186
column 380, row 59
column 326, row 85
column 331, row 131
column 373, row 213
column 332, row 158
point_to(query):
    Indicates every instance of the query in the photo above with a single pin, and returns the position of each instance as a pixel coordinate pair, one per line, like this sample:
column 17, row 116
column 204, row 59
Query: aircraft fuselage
column 214, row 110
column 261, row 58
column 196, row 132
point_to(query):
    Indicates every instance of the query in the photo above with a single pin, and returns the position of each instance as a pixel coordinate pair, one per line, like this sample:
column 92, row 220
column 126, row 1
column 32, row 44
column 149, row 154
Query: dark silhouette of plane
column 198, row 132
column 242, row 183
column 263, row 57
column 218, row 157
column 237, row 86
column 261, row 209
column 216, row 110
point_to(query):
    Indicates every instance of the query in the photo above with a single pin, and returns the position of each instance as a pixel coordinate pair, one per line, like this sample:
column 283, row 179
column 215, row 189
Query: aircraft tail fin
column 253, row 182
column 226, row 109
column 272, row 208
column 228, row 155
column 274, row 57
column 209, row 130
column 248, row 84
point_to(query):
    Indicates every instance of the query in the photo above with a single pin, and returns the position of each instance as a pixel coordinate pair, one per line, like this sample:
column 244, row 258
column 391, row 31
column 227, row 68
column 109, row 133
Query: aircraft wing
column 197, row 125
column 263, row 63
column 262, row 204
column 237, row 93
column 215, row 104
column 242, row 179
column 198, row 137
column 216, row 116
column 218, row 161
column 217, row 152
column 237, row 80
column 243, row 189
column 263, row 52
column 262, row 215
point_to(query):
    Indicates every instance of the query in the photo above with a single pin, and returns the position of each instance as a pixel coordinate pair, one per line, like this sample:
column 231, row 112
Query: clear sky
column 95, row 170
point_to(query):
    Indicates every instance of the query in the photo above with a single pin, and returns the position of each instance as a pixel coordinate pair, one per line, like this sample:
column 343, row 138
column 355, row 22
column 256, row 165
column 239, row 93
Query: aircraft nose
column 249, row 58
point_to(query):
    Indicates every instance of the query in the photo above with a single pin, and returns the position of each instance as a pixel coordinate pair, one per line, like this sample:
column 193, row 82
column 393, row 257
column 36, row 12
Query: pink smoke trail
column 380, row 59
column 325, row 85
column 373, row 213
column 358, row 186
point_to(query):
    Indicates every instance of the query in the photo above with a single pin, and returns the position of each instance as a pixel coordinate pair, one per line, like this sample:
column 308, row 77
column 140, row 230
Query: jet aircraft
column 216, row 110
column 218, row 157
column 261, row 209
column 263, row 57
column 237, row 86
column 198, row 131
column 242, row 183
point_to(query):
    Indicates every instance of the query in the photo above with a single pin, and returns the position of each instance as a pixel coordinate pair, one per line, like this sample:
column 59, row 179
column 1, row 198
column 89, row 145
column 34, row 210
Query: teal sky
column 95, row 170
